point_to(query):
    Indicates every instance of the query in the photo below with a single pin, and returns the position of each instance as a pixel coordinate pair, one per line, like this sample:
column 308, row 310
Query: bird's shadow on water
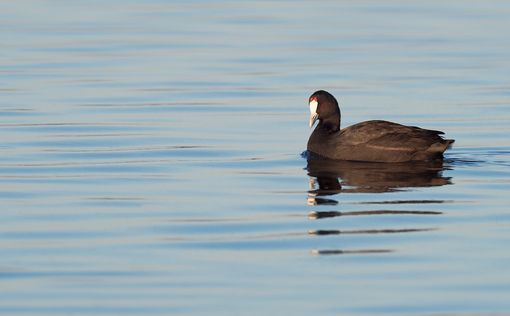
column 328, row 178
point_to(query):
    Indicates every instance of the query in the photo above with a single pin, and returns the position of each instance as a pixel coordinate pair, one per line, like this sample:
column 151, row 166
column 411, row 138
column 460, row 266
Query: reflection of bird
column 379, row 141
column 371, row 176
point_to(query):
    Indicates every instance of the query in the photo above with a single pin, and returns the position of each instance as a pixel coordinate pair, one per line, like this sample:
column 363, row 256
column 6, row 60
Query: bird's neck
column 331, row 124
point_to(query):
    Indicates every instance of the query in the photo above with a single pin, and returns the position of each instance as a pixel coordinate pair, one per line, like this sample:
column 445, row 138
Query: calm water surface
column 150, row 159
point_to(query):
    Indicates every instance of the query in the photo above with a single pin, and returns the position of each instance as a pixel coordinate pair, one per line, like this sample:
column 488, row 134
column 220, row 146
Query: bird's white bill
column 313, row 112
column 313, row 118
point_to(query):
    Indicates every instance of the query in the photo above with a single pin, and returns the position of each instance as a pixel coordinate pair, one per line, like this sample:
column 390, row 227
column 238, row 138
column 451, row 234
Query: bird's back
column 379, row 141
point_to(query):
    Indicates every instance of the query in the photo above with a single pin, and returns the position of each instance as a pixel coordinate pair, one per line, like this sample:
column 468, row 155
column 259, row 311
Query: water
column 151, row 159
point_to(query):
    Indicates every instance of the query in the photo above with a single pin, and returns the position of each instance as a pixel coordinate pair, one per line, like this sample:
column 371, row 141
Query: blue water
column 150, row 159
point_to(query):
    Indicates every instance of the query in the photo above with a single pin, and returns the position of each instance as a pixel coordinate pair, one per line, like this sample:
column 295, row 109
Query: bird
column 369, row 141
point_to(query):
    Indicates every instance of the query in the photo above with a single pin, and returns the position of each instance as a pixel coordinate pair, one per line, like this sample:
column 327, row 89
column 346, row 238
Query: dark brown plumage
column 376, row 141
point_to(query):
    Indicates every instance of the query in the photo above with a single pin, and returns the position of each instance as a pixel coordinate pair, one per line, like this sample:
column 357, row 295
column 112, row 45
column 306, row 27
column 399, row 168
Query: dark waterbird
column 374, row 141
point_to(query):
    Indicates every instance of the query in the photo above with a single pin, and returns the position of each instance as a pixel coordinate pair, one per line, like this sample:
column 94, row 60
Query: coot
column 376, row 141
